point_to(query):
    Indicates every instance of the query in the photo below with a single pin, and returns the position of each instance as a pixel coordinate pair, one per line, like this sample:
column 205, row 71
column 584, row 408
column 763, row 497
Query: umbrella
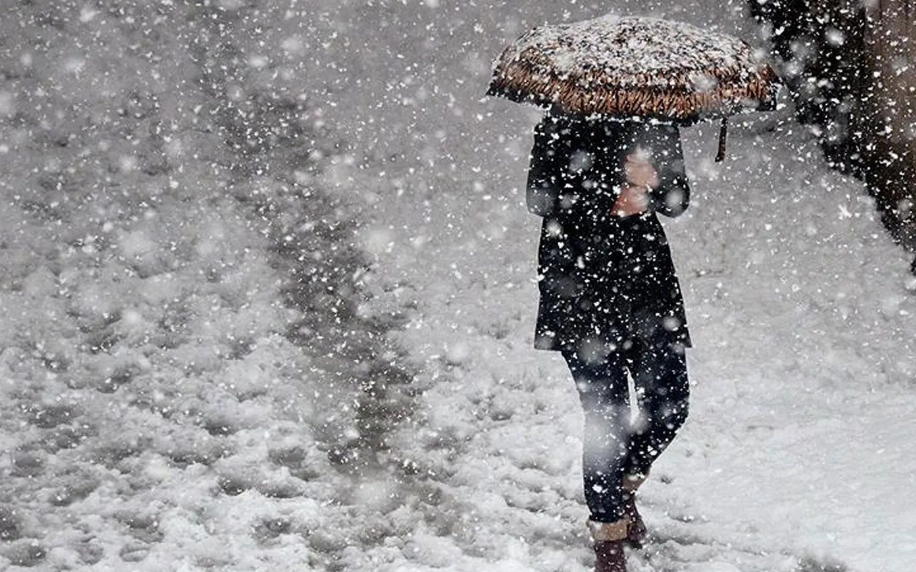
column 635, row 66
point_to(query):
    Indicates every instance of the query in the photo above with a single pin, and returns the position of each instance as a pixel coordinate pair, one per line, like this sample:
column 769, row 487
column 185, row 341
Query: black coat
column 604, row 280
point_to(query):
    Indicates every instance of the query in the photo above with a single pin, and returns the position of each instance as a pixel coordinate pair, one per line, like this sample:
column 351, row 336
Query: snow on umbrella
column 635, row 66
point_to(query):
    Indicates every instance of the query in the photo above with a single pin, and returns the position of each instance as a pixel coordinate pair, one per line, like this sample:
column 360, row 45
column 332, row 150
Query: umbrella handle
column 723, row 135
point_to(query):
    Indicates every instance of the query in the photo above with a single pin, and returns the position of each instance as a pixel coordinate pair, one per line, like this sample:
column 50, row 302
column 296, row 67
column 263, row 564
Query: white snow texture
column 213, row 213
column 638, row 51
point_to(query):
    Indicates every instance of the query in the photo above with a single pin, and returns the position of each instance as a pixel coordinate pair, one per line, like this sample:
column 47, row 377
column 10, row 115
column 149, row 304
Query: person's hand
column 634, row 195
column 632, row 200
column 639, row 171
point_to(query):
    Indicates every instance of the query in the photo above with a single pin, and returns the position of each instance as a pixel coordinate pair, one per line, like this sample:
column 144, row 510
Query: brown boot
column 636, row 531
column 609, row 557
column 608, row 539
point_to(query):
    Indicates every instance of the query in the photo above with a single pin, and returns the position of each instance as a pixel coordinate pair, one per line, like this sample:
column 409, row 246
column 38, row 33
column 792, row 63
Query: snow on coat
column 604, row 279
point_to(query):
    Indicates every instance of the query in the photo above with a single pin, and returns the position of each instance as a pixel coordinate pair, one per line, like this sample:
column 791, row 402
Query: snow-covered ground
column 186, row 379
column 157, row 411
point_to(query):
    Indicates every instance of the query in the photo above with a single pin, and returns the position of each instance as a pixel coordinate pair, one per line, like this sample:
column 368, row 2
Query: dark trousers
column 612, row 445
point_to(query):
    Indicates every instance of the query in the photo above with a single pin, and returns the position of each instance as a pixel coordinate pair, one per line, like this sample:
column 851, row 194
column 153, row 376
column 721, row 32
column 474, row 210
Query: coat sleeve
column 672, row 195
column 543, row 189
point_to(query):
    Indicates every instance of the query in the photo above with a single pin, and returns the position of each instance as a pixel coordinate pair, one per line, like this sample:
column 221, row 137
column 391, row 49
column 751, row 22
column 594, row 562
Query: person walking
column 610, row 301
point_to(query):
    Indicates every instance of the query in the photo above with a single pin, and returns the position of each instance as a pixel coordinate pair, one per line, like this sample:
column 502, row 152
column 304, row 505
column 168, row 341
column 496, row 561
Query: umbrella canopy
column 632, row 66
